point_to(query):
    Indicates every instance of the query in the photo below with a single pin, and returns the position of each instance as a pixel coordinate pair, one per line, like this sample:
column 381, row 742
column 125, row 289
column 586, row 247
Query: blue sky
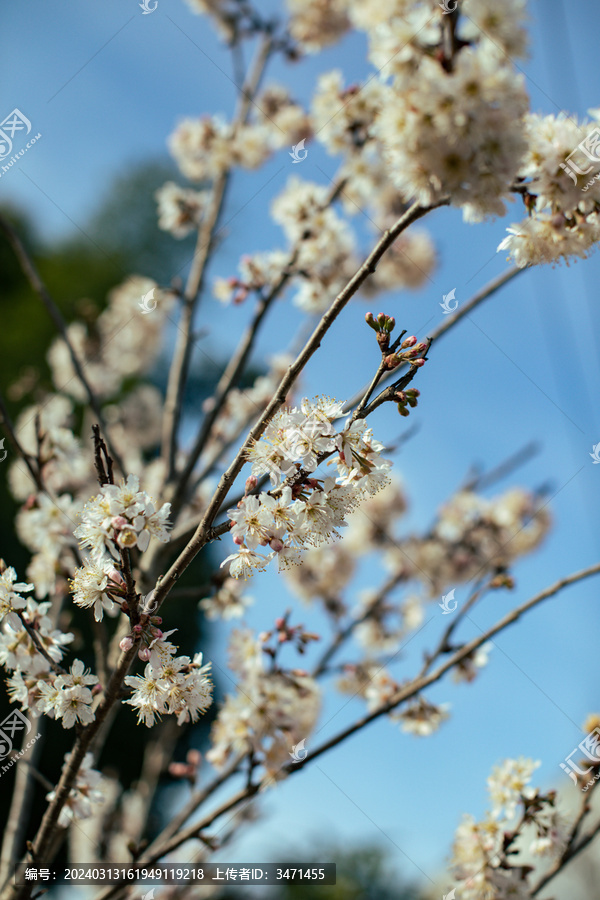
column 105, row 85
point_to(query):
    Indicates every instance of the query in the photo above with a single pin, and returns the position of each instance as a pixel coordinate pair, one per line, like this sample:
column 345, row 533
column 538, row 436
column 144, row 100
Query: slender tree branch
column 183, row 349
column 204, row 533
column 450, row 321
column 39, row 287
column 20, row 807
column 403, row 694
column 17, row 446
column 237, row 364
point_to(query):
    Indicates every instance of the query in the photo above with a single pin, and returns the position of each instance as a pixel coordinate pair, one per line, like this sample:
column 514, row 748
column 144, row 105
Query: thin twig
column 180, row 363
column 204, row 533
column 402, row 695
column 39, row 287
column 450, row 321
column 237, row 363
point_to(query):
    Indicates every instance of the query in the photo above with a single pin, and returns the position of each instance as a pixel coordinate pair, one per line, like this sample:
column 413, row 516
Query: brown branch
column 39, row 287
column 180, row 363
column 17, row 446
column 403, row 694
column 204, row 532
column 450, row 321
column 237, row 363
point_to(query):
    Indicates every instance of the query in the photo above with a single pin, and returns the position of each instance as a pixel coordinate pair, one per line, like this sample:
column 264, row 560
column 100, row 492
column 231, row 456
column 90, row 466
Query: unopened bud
column 251, row 483
column 408, row 342
column 370, row 320
column 276, row 544
column 119, row 522
column 194, row 758
column 391, row 361
column 137, row 629
column 418, row 362
column 402, row 410
column 156, row 620
column 126, row 644
column 115, row 576
column 144, row 654
column 238, row 539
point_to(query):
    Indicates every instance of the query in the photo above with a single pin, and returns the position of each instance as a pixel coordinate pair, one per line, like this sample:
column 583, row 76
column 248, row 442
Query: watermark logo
column 445, row 605
column 446, row 307
column 147, row 9
column 15, row 721
column 13, row 125
column 448, row 8
column 299, row 752
column 450, row 896
column 4, row 453
column 297, row 149
column 595, row 455
column 15, row 121
column 590, row 747
column 145, row 305
column 149, row 895
column 148, row 604
column 588, row 151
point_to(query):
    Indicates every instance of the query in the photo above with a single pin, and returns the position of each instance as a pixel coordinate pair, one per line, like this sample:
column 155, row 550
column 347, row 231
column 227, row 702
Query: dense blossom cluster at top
column 445, row 115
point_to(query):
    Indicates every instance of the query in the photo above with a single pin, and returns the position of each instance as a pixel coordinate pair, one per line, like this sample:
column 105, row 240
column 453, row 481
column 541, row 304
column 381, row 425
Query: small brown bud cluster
column 285, row 633
column 383, row 325
column 407, row 398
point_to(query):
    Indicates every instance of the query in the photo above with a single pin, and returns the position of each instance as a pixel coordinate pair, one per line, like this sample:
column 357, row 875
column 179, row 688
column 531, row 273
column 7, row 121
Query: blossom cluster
column 30, row 649
column 273, row 710
column 486, row 860
column 111, row 351
column 171, row 685
column 85, row 794
column 119, row 517
column 310, row 511
column 473, row 537
column 561, row 188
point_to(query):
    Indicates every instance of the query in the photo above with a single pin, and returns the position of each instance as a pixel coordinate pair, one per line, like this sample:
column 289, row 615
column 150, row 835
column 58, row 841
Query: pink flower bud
column 115, row 576
column 251, row 483
column 408, row 342
column 97, row 689
column 158, row 634
column 118, row 522
column 276, row 544
column 418, row 362
column 126, row 644
column 238, row 539
column 194, row 758
column 280, row 622
column 156, row 620
column 178, row 769
column 370, row 320
column 137, row 629
column 391, row 361
column 144, row 654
